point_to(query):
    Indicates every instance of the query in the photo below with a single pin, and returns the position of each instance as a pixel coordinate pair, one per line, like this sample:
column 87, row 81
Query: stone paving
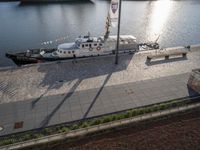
column 48, row 94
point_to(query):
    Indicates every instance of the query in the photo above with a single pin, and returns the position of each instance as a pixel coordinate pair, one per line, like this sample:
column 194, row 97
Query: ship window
column 60, row 51
column 100, row 44
column 90, row 45
column 83, row 45
column 64, row 52
column 86, row 45
column 72, row 51
column 69, row 52
column 95, row 44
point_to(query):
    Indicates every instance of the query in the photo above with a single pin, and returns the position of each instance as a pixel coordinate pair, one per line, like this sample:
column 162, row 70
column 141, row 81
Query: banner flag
column 114, row 12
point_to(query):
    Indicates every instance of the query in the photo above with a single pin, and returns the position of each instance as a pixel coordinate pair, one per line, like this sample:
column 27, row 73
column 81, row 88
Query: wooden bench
column 166, row 54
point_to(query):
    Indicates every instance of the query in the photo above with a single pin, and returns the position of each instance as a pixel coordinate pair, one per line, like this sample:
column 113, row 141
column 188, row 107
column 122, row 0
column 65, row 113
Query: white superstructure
column 91, row 46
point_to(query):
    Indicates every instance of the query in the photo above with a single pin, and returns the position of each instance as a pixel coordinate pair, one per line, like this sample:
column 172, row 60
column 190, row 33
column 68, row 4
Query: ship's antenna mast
column 157, row 38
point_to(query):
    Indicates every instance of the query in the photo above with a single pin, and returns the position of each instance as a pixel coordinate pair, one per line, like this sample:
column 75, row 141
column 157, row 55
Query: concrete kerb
column 89, row 130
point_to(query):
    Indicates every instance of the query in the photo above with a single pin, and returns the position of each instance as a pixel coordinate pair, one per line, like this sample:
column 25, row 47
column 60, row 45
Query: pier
column 41, row 95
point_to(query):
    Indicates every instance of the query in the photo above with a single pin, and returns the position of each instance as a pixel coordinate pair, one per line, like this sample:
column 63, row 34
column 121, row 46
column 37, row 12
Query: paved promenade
column 48, row 94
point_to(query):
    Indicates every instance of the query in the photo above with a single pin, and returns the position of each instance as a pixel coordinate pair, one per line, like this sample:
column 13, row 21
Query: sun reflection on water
column 158, row 17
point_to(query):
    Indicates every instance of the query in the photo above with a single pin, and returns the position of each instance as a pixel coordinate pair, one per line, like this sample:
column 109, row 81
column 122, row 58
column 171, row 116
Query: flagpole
column 118, row 33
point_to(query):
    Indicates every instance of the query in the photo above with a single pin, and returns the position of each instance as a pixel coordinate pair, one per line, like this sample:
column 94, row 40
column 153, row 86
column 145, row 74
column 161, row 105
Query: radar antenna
column 157, row 38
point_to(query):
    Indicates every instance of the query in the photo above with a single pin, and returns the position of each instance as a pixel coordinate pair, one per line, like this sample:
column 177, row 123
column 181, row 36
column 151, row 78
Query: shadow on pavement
column 48, row 118
column 97, row 95
column 66, row 72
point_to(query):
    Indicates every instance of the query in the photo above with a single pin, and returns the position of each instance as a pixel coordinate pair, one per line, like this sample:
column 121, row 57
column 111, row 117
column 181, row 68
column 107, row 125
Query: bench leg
column 184, row 55
column 148, row 59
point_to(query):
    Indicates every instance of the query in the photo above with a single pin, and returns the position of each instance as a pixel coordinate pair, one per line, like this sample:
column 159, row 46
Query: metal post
column 118, row 33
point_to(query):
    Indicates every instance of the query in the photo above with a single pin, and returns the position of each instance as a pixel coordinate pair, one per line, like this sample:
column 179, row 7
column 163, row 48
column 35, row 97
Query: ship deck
column 46, row 94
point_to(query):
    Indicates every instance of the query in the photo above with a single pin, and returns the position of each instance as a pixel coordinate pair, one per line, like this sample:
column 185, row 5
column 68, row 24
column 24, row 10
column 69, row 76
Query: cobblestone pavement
column 47, row 94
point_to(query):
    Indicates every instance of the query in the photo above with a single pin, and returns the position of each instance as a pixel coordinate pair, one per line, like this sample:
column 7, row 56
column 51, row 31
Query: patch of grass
column 74, row 127
column 37, row 135
column 64, row 130
column 27, row 137
column 7, row 142
column 95, row 121
column 84, row 124
column 46, row 131
column 106, row 119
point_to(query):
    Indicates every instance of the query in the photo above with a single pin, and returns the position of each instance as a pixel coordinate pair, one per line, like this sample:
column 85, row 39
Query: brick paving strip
column 96, row 128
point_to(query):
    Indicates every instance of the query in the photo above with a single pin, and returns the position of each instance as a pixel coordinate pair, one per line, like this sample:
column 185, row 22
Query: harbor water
column 24, row 27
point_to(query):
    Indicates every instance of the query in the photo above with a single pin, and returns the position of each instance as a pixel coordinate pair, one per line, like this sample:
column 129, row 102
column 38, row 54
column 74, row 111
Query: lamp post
column 118, row 33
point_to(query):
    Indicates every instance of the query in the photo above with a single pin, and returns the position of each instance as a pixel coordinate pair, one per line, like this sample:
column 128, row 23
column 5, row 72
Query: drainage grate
column 7, row 89
column 18, row 125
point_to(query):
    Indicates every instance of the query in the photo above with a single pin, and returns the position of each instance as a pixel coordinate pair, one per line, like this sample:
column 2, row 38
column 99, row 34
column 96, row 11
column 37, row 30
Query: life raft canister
column 90, row 49
column 98, row 48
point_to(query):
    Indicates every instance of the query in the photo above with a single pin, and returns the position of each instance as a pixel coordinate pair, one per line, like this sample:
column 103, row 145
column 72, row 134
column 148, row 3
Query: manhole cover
column 1, row 128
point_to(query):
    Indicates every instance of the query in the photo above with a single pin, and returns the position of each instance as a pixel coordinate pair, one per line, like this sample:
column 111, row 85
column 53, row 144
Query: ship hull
column 22, row 58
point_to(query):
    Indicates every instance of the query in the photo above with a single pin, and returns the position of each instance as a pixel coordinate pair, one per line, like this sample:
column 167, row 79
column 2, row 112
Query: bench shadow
column 163, row 61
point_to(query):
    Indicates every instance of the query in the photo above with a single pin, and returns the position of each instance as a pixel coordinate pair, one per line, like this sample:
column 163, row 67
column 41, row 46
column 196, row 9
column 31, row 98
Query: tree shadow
column 163, row 61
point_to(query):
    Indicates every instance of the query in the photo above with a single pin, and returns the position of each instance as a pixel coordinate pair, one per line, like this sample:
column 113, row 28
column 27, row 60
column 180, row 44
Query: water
column 28, row 26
